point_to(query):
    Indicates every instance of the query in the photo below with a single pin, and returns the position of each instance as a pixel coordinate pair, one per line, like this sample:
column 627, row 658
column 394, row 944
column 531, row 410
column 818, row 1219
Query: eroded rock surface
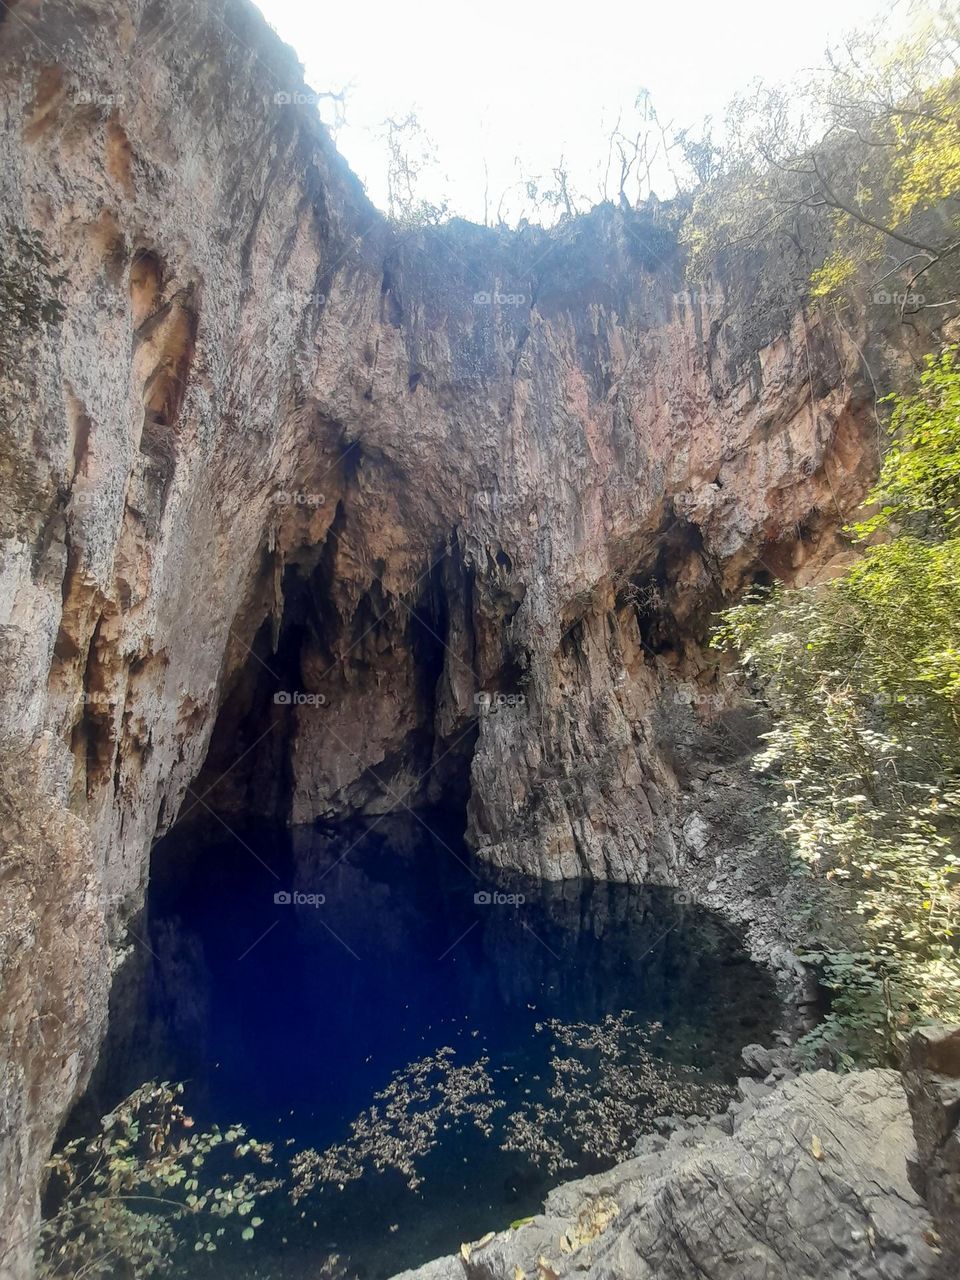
column 811, row 1184
column 287, row 490
column 932, row 1077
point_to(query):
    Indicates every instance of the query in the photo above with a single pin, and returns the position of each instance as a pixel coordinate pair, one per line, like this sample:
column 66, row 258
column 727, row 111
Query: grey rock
column 778, row 1074
column 724, row 1123
column 667, row 1124
column 758, row 1060
column 813, row 1186
column 649, row 1144
column 696, row 835
column 932, row 1081
column 740, row 1112
column 751, row 1090
column 439, row 1269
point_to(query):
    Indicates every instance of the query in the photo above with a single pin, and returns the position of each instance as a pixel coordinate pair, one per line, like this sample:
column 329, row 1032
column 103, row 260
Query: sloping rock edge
column 805, row 1179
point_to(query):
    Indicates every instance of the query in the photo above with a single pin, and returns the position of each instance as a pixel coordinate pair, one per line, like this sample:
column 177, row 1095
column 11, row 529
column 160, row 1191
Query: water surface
column 288, row 977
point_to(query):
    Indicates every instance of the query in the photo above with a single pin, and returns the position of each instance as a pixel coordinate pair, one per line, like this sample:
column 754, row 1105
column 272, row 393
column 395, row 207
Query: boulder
column 812, row 1186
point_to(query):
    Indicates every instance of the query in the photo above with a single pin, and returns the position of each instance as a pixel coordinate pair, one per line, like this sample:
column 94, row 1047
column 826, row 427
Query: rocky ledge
column 808, row 1178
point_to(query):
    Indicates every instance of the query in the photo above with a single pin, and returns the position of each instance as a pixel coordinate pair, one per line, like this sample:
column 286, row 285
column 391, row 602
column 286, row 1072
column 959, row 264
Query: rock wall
column 302, row 512
column 810, row 1183
column 817, row 1177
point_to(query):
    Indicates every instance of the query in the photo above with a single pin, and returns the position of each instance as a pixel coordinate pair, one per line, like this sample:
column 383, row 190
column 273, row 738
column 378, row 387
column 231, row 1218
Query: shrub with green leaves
column 125, row 1201
column 862, row 674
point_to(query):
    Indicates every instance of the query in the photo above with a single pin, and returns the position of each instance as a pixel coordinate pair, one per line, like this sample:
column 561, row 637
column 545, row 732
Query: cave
column 385, row 1009
column 332, row 969
column 398, row 874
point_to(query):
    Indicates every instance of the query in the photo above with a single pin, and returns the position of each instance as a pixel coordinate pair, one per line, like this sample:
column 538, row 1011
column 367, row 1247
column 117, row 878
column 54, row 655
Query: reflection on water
column 431, row 1044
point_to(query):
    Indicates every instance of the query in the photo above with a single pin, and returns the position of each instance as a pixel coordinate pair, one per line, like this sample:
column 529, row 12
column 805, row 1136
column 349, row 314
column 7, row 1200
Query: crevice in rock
column 349, row 702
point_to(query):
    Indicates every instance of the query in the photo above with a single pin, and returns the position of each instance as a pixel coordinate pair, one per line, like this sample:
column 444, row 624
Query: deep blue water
column 288, row 1017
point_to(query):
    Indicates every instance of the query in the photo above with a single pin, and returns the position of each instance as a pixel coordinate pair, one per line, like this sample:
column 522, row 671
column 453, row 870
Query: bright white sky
column 537, row 79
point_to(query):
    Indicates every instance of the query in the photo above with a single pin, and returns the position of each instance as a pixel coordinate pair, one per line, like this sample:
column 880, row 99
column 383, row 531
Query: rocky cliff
column 810, row 1183
column 813, row 1178
column 305, row 513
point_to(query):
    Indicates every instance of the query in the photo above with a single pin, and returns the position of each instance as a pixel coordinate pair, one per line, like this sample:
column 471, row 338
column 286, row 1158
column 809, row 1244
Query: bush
column 125, row 1201
column 863, row 676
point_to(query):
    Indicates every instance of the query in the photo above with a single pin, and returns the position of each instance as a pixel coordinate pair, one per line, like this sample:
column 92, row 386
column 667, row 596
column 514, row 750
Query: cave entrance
column 427, row 1044
column 331, row 716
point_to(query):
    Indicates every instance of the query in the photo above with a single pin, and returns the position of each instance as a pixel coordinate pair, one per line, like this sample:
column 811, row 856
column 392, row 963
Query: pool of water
column 448, row 1042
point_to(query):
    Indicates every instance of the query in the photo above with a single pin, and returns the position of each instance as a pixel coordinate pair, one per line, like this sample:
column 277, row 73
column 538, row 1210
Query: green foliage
column 855, row 167
column 863, row 676
column 145, row 1187
column 836, row 273
column 920, row 476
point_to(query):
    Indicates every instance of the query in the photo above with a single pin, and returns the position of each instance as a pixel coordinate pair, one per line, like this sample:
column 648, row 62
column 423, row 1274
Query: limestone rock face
column 301, row 514
column 813, row 1185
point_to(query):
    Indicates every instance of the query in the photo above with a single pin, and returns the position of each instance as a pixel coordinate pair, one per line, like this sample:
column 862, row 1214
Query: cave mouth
column 290, row 976
column 330, row 714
